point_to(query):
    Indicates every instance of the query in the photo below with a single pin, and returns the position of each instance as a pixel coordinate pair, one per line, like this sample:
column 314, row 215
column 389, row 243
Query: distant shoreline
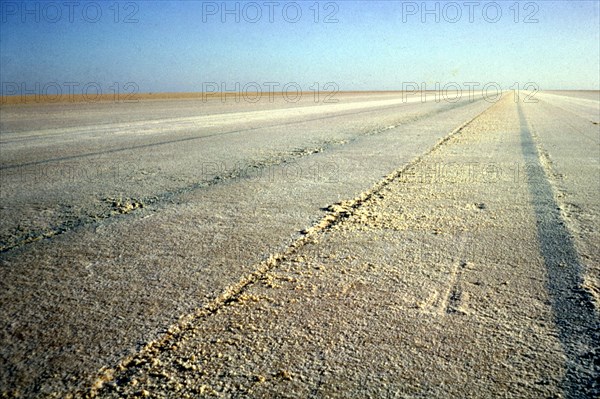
column 134, row 97
column 29, row 99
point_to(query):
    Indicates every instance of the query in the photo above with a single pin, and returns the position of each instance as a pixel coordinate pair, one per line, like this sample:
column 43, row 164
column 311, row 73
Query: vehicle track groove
column 337, row 214
column 157, row 201
column 574, row 311
column 231, row 132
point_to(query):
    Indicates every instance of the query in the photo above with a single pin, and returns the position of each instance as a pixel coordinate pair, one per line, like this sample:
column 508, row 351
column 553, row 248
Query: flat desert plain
column 368, row 248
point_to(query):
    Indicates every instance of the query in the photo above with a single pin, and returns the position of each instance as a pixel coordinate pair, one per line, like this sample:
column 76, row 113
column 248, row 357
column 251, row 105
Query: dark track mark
column 321, row 378
column 456, row 293
column 454, row 301
column 574, row 314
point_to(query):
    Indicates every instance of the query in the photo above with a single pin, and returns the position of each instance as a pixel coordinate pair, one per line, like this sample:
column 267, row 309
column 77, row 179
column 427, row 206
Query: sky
column 188, row 46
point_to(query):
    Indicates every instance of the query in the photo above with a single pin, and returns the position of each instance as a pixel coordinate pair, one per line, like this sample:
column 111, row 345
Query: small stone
column 285, row 374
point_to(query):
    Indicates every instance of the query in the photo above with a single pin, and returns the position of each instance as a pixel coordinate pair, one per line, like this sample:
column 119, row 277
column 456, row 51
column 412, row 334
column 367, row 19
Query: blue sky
column 178, row 46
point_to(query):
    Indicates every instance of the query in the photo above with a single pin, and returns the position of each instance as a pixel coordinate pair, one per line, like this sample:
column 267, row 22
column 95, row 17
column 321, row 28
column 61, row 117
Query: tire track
column 181, row 140
column 226, row 133
column 568, row 112
column 336, row 215
column 158, row 201
column 575, row 316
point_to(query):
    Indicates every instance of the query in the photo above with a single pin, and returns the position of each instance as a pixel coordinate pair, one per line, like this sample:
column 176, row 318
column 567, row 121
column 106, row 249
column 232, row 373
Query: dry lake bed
column 369, row 248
